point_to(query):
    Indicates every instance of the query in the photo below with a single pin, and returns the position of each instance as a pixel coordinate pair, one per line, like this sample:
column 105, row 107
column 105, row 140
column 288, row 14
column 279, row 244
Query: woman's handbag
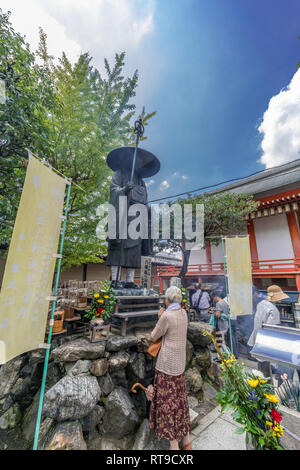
column 154, row 348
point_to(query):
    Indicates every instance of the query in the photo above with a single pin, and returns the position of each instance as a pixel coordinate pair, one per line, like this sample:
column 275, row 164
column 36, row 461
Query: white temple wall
column 273, row 238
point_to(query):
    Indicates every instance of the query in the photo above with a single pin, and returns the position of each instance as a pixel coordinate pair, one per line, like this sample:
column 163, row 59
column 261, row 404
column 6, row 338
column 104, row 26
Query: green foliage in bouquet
column 103, row 302
column 254, row 403
column 185, row 302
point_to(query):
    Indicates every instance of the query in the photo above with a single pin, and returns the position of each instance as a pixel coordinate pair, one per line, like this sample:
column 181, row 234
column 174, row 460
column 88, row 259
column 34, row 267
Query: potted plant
column 102, row 304
column 58, row 321
column 254, row 402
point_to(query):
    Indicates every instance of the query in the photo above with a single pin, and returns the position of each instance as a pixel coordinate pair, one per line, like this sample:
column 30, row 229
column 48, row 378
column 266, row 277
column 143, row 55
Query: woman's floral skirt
column 169, row 413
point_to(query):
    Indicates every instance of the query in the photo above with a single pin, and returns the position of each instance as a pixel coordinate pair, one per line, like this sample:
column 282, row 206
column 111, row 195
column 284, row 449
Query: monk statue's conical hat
column 121, row 158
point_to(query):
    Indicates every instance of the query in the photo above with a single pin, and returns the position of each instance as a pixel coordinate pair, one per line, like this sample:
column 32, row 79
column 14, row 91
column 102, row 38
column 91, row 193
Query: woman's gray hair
column 173, row 294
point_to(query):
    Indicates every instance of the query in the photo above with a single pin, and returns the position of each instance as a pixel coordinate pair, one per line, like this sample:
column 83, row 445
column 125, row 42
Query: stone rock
column 81, row 368
column 46, row 429
column 78, row 349
column 99, row 367
column 193, row 402
column 201, row 359
column 118, row 343
column 9, row 374
column 59, row 340
column 214, row 374
column 146, row 439
column 141, row 404
column 54, row 374
column 137, row 365
column 27, row 384
column 194, row 418
column 106, row 384
column 120, row 417
column 144, row 340
column 189, row 351
column 67, row 436
column 119, row 378
column 11, row 418
column 36, row 356
column 150, row 366
column 7, row 402
column 109, row 443
column 194, row 381
column 92, row 420
column 195, row 333
column 118, row 361
column 209, row 392
column 72, row 398
column 29, row 419
column 142, row 436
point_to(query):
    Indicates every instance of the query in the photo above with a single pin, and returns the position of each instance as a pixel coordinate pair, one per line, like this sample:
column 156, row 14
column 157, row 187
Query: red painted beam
column 252, row 241
column 294, row 233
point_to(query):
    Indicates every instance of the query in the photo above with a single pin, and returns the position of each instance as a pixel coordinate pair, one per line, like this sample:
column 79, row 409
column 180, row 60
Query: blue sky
column 214, row 70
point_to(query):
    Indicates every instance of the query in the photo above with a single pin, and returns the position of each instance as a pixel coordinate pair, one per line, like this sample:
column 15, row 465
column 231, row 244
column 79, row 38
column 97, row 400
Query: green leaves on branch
column 72, row 116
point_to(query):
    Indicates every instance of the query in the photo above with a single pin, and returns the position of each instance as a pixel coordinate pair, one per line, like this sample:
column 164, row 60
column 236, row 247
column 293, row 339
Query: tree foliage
column 224, row 215
column 70, row 115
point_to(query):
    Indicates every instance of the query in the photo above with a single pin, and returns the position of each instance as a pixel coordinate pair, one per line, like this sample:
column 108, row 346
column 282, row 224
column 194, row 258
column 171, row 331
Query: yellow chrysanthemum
column 252, row 382
column 96, row 296
column 269, row 423
column 100, row 301
column 262, row 381
column 106, row 296
column 272, row 398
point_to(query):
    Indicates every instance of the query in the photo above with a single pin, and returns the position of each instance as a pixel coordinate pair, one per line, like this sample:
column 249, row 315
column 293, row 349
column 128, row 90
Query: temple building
column 273, row 233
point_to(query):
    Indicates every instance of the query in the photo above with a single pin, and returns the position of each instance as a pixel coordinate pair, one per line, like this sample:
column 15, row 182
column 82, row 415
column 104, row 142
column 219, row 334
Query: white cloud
column 150, row 183
column 105, row 27
column 102, row 27
column 26, row 18
column 164, row 185
column 178, row 175
column 280, row 126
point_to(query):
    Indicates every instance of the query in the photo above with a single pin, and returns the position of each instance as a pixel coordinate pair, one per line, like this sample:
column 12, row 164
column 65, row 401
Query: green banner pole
column 39, row 414
column 227, row 292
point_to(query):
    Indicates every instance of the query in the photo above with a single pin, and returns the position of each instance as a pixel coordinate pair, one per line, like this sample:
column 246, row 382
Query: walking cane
column 139, row 131
column 133, row 388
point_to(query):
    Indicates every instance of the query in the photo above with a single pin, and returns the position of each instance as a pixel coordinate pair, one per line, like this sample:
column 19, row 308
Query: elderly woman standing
column 169, row 413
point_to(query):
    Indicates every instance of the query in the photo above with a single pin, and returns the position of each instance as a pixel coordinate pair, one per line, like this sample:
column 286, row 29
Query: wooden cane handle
column 133, row 388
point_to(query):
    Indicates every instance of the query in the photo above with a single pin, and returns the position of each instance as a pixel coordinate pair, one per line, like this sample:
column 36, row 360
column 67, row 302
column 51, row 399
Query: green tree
column 71, row 116
column 22, row 118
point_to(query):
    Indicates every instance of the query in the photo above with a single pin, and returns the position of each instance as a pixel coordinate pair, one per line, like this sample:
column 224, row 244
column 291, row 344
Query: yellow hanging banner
column 29, row 270
column 239, row 272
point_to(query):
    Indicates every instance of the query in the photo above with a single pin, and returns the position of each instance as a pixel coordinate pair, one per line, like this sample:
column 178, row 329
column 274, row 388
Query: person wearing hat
column 127, row 181
column 267, row 312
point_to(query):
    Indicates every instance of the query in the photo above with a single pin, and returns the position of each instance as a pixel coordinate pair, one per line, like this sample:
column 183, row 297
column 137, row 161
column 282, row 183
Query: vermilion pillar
column 252, row 241
column 208, row 253
column 294, row 232
column 295, row 239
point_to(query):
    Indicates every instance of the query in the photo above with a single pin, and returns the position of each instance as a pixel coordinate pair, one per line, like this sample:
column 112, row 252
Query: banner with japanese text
column 29, row 270
column 239, row 272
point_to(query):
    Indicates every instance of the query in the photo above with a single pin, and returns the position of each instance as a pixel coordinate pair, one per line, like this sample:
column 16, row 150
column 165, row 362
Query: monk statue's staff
column 139, row 131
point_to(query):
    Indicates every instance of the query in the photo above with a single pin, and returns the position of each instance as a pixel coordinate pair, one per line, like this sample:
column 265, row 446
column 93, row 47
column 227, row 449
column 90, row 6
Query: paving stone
column 219, row 435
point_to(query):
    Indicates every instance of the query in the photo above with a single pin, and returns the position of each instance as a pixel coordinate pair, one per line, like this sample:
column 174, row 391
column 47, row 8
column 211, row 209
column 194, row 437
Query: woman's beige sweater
column 172, row 327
